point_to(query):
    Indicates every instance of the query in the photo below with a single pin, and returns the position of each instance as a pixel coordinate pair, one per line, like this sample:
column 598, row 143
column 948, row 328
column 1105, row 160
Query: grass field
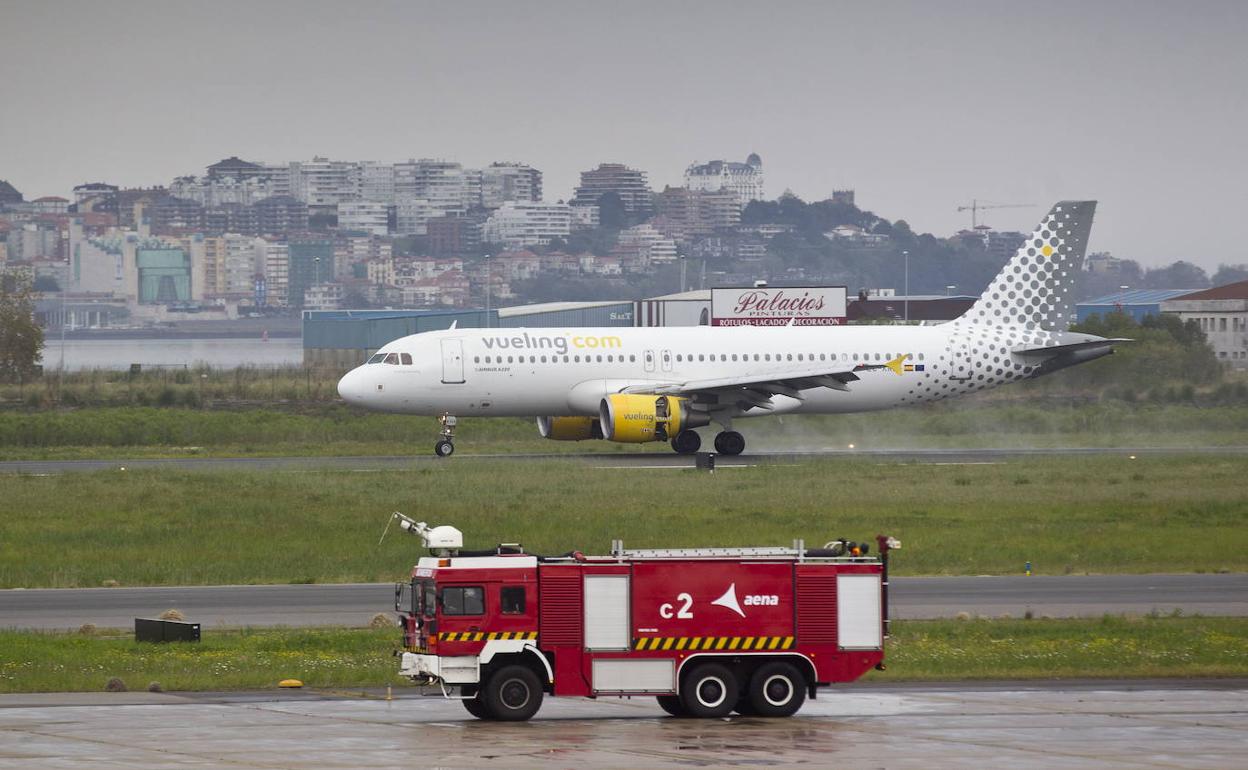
column 327, row 429
column 1103, row 514
column 349, row 658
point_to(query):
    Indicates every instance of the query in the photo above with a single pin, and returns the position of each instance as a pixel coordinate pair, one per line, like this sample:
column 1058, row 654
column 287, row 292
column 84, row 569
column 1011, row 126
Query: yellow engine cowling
column 637, row 419
column 569, row 428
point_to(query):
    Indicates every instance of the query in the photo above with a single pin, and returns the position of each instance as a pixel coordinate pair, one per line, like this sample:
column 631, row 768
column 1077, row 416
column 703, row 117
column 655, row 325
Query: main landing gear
column 727, row 442
column 446, row 444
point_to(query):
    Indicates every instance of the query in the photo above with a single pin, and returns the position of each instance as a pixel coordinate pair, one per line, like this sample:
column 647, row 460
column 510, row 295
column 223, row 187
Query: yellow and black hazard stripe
column 715, row 643
column 484, row 636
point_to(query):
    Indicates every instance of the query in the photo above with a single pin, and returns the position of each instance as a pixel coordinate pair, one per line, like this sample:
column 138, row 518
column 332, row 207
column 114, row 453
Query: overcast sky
column 919, row 106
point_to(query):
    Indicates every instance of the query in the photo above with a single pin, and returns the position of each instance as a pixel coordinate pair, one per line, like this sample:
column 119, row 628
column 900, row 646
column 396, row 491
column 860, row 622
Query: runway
column 638, row 460
column 354, row 604
column 1092, row 726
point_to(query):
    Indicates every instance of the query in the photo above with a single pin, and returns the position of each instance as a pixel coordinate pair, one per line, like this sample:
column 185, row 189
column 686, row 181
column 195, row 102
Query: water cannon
column 443, row 539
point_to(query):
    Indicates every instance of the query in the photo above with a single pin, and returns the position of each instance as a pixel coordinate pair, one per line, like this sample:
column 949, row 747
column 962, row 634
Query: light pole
column 906, row 256
column 682, row 274
column 488, row 288
column 60, row 382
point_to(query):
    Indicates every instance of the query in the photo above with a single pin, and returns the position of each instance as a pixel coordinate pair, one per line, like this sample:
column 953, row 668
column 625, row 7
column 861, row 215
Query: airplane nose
column 351, row 386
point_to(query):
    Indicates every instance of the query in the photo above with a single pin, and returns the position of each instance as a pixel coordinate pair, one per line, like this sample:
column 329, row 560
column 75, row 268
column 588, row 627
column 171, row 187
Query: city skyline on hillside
column 919, row 108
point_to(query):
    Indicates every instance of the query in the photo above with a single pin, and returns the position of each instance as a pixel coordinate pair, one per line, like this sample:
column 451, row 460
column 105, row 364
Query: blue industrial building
column 1136, row 303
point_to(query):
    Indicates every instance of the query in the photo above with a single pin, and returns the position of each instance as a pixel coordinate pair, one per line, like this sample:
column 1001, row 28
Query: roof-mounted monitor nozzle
column 444, row 539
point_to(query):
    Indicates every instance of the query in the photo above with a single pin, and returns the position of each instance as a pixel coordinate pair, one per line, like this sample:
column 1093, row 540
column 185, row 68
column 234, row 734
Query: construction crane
column 977, row 206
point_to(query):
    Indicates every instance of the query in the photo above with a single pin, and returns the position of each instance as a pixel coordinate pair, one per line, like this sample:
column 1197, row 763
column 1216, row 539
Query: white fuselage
column 535, row 372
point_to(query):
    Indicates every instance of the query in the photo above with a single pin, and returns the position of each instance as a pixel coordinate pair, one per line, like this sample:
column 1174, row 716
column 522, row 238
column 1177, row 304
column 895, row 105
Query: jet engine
column 569, row 428
column 636, row 419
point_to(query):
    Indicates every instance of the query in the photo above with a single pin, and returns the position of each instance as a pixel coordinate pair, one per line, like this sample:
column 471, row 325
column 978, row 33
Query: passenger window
column 799, row 356
column 701, row 357
column 632, row 359
column 678, row 357
column 511, row 600
column 788, row 357
column 576, row 359
column 392, row 358
column 509, row 359
column 599, row 359
column 532, row 359
column 734, row 356
column 543, row 359
column 477, row 359
column 755, row 356
column 463, row 600
column 766, row 356
column 406, row 358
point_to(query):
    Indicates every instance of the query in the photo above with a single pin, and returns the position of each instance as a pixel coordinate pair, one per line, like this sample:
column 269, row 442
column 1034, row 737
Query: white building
column 377, row 182
column 277, row 273
column 371, row 217
column 412, row 215
column 584, row 217
column 503, row 182
column 211, row 193
column 520, row 224
column 745, row 180
column 446, row 185
column 322, row 183
column 1222, row 313
column 647, row 244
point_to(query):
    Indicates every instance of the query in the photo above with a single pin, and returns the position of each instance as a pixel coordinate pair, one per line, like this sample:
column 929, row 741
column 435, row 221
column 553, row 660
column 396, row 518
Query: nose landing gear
column 446, row 444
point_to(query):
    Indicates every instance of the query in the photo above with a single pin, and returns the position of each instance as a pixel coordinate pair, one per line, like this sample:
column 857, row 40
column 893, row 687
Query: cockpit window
column 377, row 358
column 406, row 358
column 392, row 358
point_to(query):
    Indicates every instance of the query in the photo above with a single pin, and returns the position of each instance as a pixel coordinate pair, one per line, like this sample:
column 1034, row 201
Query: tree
column 1180, row 275
column 611, row 212
column 1230, row 274
column 46, row 283
column 21, row 339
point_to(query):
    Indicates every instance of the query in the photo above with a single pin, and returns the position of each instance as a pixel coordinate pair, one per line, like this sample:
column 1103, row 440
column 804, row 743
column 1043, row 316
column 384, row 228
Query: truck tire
column 476, row 707
column 777, row 690
column 671, row 704
column 710, row 691
column 512, row 694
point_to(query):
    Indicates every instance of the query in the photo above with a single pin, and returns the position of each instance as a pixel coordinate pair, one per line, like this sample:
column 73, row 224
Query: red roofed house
column 1222, row 313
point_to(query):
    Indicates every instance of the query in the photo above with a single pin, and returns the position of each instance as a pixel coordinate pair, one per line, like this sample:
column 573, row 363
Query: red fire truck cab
column 706, row 631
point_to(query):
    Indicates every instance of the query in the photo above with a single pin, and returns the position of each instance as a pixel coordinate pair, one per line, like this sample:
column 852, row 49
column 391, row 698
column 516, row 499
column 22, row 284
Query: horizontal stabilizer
column 1052, row 351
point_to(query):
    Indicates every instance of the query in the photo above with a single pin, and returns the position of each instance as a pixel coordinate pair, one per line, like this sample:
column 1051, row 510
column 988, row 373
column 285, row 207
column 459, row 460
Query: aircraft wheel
column 730, row 442
column 687, row 442
column 444, row 449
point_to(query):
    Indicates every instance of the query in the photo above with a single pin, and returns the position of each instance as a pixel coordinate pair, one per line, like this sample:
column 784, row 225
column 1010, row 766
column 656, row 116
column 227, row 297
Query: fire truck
column 706, row 631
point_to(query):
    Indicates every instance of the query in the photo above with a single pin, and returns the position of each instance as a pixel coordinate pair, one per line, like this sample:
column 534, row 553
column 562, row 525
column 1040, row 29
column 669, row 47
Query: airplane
column 648, row 384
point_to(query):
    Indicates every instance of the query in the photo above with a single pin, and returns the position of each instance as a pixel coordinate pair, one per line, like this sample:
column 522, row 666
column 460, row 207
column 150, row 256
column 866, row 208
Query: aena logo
column 729, row 600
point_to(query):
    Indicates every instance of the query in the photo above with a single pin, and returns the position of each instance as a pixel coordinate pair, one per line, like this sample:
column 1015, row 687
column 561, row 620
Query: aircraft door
column 667, row 360
column 648, row 359
column 452, row 361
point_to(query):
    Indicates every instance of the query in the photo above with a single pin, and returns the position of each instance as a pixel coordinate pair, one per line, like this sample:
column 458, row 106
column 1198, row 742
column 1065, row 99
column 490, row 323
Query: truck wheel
column 512, row 694
column 710, row 691
column 671, row 704
column 477, row 708
column 777, row 690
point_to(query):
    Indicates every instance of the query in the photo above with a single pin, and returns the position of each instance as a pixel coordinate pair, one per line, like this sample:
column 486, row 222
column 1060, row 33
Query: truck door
column 452, row 361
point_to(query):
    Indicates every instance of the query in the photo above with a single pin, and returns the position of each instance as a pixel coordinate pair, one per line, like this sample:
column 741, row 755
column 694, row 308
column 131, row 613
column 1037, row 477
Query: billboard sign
column 778, row 306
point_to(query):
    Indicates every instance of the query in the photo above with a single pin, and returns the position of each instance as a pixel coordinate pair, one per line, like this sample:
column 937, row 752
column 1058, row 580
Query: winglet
column 896, row 364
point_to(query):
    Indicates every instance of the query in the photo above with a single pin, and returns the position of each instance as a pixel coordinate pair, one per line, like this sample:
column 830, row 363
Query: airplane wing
column 757, row 389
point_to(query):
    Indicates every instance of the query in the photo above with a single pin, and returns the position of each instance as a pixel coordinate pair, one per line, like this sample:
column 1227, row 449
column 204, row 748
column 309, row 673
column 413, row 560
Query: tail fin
column 1034, row 288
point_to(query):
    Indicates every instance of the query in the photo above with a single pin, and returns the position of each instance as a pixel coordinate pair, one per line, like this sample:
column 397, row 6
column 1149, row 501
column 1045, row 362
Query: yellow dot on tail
column 1047, row 251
